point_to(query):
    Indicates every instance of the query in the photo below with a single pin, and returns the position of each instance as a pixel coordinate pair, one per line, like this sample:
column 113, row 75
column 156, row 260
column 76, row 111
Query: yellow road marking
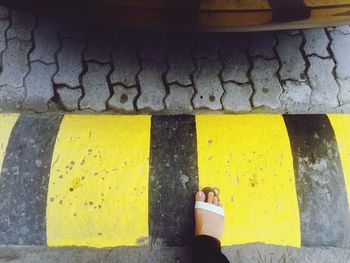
column 7, row 121
column 98, row 190
column 341, row 127
column 249, row 159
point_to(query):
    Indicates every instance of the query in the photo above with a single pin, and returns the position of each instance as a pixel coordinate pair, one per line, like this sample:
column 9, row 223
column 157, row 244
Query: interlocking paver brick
column 344, row 91
column 70, row 63
column 39, row 86
column 70, row 97
column 266, row 85
column 125, row 61
column 295, row 97
column 98, row 48
column 208, row 85
column 324, row 87
column 11, row 98
column 341, row 29
column 152, row 86
column 4, row 24
column 234, row 56
column 15, row 63
column 22, row 25
column 316, row 42
column 293, row 63
column 46, row 40
column 179, row 98
column 4, row 12
column 261, row 44
column 207, row 46
column 123, row 98
column 237, row 97
column 153, row 47
column 180, row 61
column 340, row 47
column 96, row 87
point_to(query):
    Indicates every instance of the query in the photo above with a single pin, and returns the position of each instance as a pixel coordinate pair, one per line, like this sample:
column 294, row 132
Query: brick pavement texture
column 47, row 64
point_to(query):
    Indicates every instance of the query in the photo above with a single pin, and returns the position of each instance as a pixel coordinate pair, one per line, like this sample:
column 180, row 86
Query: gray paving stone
column 153, row 47
column 98, row 48
column 22, row 25
column 11, row 98
column 295, row 97
column 4, row 24
column 179, row 98
column 207, row 46
column 39, row 87
column 340, row 47
column 341, row 29
column 293, row 63
column 266, row 85
column 180, row 61
column 4, row 12
column 70, row 63
column 324, row 88
column 152, row 86
column 208, row 85
column 237, row 97
column 125, row 61
column 15, row 63
column 261, row 44
column 96, row 87
column 234, row 55
column 46, row 40
column 316, row 42
column 344, row 91
column 123, row 98
column 70, row 97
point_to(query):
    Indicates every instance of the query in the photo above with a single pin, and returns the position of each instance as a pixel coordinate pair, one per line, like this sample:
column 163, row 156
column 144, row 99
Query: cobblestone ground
column 49, row 65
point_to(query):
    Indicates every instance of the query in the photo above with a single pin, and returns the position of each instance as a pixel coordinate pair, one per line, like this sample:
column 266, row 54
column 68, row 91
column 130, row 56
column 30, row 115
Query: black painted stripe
column 173, row 179
column 322, row 195
column 24, row 180
column 289, row 10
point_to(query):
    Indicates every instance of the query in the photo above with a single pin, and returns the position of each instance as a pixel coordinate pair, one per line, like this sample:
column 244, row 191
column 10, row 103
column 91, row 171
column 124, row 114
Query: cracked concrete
column 123, row 98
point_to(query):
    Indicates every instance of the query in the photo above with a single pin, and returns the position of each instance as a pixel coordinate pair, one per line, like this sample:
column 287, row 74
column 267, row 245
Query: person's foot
column 208, row 223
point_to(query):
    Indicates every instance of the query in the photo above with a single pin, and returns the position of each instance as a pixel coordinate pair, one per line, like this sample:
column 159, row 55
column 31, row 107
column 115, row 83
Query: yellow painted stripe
column 249, row 159
column 341, row 127
column 7, row 121
column 98, row 190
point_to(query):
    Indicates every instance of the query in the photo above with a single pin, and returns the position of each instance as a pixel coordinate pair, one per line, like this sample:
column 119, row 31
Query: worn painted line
column 7, row 121
column 173, row 179
column 248, row 158
column 98, row 191
column 322, row 196
column 24, row 179
column 341, row 127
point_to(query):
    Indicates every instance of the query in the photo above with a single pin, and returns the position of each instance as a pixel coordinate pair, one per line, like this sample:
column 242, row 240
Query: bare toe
column 215, row 201
column 210, row 197
column 200, row 196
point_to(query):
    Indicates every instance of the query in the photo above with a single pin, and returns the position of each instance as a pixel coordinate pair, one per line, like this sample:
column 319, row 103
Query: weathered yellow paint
column 7, row 121
column 98, row 189
column 248, row 158
column 341, row 127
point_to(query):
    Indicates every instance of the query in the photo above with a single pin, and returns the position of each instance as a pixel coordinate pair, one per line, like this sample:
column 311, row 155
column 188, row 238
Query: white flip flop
column 209, row 207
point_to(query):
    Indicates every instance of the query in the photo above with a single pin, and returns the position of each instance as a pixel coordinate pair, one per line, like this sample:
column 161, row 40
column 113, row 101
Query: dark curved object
column 195, row 15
